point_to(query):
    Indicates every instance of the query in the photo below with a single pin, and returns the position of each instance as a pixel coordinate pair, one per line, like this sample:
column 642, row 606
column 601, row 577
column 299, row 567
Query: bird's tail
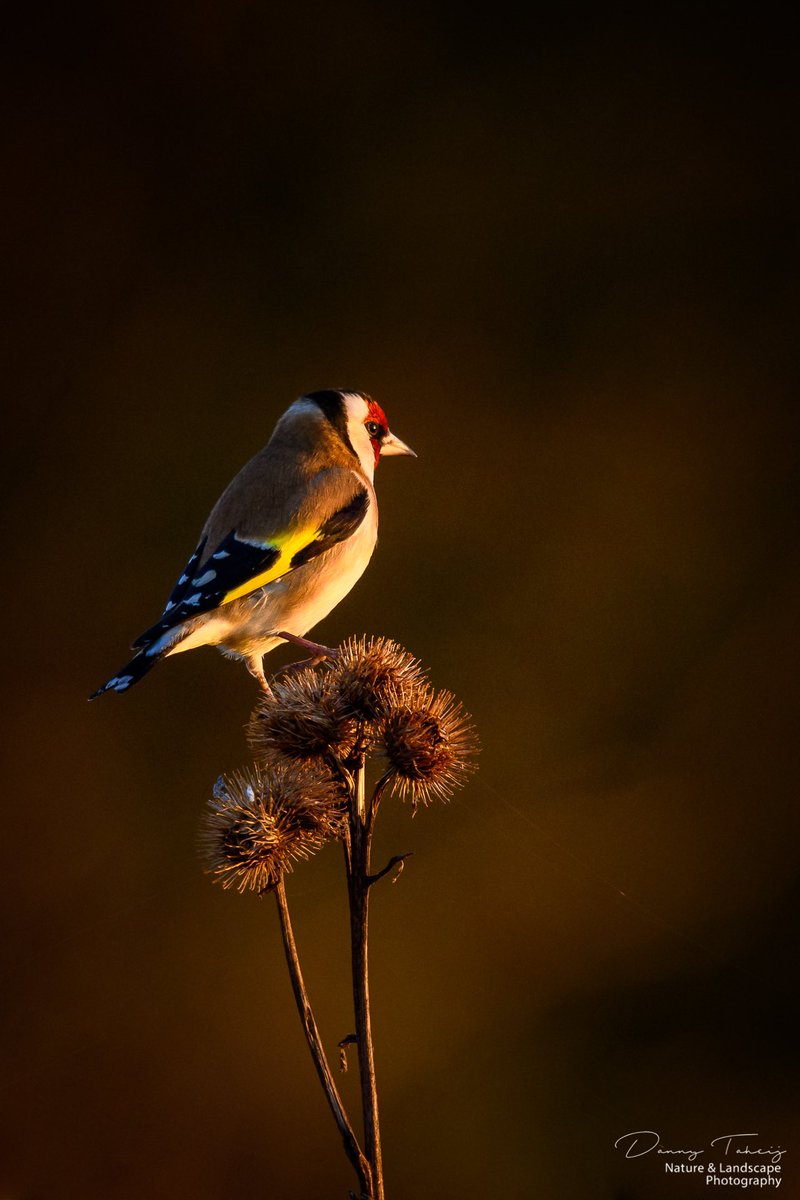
column 130, row 674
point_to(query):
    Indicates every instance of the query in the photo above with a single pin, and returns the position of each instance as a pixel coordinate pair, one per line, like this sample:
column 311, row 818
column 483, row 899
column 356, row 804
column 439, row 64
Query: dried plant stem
column 361, row 820
column 351, row 1146
column 312, row 733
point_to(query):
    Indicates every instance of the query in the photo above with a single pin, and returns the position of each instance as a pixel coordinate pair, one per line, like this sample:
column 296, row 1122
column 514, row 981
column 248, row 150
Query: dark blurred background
column 562, row 253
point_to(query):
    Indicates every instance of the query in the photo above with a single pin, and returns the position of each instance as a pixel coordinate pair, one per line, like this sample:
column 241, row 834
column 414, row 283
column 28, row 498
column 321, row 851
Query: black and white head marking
column 347, row 412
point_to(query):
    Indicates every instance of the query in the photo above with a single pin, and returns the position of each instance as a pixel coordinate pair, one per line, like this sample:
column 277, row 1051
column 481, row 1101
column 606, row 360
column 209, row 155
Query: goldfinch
column 284, row 543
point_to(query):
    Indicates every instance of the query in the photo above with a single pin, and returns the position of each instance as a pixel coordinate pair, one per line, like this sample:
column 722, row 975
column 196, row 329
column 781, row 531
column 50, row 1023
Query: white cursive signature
column 727, row 1138
column 644, row 1141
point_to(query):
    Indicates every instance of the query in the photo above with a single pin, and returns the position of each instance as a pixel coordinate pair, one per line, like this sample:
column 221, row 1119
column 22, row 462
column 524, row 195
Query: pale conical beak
column 393, row 445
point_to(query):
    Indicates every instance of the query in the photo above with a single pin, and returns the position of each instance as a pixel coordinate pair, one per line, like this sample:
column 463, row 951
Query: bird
column 285, row 542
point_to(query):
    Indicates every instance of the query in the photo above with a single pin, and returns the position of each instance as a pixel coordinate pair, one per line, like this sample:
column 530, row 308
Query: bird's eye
column 373, row 428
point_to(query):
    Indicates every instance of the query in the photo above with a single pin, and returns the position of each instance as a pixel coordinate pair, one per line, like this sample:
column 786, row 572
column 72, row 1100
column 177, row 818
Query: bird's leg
column 255, row 665
column 317, row 652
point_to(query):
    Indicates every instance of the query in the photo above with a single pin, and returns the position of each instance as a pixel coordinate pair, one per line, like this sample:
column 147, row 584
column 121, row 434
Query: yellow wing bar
column 287, row 546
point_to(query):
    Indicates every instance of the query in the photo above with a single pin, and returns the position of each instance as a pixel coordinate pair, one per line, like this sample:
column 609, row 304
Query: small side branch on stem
column 397, row 860
column 350, row 1040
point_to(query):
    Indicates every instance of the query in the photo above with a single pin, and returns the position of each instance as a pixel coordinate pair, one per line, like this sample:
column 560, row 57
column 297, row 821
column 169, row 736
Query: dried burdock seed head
column 259, row 822
column 430, row 744
column 303, row 718
column 371, row 674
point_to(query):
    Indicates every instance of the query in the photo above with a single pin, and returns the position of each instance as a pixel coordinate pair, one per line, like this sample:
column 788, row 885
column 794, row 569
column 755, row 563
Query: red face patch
column 376, row 413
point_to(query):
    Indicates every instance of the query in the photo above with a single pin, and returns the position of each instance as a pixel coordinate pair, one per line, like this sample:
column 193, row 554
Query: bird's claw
column 303, row 664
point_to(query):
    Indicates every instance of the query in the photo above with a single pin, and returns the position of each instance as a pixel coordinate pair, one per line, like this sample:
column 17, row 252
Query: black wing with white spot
column 203, row 585
column 238, row 567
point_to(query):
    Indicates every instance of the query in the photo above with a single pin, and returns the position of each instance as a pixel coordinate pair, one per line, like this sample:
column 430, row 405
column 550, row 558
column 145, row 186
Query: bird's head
column 362, row 425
